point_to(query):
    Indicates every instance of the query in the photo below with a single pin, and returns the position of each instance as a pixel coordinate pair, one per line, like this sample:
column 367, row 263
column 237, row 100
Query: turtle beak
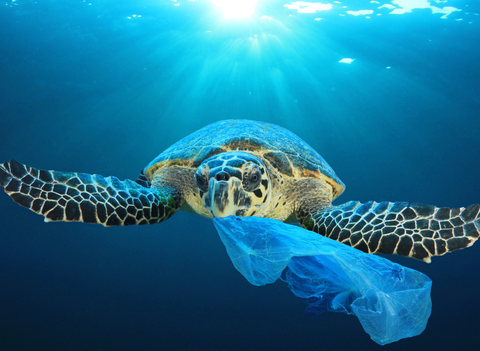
column 220, row 198
column 226, row 197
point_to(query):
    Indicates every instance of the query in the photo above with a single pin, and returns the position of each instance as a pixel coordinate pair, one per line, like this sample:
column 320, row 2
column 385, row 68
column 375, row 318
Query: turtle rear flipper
column 81, row 197
column 412, row 230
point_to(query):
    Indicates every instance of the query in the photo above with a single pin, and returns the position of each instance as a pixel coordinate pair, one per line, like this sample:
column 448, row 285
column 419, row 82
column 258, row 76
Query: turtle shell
column 285, row 151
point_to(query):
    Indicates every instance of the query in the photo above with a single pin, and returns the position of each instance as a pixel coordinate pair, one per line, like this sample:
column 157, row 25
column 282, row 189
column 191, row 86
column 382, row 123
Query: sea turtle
column 244, row 168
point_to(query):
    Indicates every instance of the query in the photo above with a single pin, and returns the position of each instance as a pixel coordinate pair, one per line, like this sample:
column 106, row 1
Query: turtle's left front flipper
column 80, row 197
column 412, row 230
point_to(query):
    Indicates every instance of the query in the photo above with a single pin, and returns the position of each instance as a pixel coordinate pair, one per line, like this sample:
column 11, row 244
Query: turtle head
column 233, row 183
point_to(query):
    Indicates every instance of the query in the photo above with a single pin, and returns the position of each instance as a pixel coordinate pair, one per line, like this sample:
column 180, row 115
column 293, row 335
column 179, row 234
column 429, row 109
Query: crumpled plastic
column 392, row 302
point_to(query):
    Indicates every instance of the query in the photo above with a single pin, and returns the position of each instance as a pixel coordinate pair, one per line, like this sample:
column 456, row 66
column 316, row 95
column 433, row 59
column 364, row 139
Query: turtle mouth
column 227, row 197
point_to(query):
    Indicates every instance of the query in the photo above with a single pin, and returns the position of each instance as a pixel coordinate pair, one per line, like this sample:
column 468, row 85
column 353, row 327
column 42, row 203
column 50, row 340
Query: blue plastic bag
column 392, row 302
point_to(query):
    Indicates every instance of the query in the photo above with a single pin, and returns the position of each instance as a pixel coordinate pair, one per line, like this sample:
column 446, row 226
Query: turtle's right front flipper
column 412, row 230
column 80, row 197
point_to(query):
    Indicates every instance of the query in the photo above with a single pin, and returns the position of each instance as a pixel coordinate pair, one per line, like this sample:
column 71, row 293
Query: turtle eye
column 252, row 179
column 201, row 182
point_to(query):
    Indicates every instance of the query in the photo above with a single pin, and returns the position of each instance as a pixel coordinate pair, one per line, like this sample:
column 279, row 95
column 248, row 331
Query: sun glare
column 236, row 8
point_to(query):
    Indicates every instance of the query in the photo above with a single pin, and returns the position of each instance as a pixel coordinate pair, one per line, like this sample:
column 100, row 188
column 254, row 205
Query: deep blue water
column 83, row 87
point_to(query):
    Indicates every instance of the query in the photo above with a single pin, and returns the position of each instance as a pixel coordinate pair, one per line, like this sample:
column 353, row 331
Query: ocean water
column 389, row 97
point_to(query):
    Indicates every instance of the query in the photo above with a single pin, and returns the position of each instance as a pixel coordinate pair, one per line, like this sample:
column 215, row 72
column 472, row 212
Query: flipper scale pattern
column 71, row 196
column 412, row 230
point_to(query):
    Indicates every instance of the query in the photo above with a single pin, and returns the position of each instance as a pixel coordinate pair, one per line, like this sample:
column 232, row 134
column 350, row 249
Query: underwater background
column 387, row 92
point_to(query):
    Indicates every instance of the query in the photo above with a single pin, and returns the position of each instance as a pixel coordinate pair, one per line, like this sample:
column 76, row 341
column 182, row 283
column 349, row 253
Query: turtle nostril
column 222, row 176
